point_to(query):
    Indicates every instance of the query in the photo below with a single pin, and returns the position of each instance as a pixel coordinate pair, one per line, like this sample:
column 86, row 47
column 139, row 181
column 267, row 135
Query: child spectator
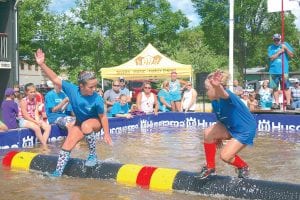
column 41, row 101
column 29, row 115
column 135, row 111
column 121, row 108
column 10, row 109
column 252, row 102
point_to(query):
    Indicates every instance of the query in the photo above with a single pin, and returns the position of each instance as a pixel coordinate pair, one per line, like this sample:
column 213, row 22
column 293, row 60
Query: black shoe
column 243, row 172
column 289, row 107
column 205, row 172
column 275, row 106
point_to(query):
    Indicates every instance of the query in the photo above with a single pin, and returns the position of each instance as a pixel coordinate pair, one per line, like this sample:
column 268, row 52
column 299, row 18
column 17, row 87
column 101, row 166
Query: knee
column 207, row 135
column 226, row 157
column 85, row 128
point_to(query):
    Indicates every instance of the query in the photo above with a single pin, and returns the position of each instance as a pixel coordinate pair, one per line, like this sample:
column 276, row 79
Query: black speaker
column 200, row 78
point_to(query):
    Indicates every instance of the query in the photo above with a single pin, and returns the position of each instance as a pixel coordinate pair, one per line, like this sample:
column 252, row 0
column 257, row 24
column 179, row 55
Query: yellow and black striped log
column 155, row 178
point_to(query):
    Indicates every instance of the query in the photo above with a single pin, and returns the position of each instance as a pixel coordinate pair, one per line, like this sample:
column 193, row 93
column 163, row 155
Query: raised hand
column 39, row 57
column 216, row 78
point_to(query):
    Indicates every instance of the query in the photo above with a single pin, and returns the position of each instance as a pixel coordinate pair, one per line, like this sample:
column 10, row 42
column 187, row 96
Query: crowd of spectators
column 34, row 110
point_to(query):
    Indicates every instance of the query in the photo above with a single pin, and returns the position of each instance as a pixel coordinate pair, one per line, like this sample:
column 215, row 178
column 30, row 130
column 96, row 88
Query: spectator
column 175, row 91
column 275, row 53
column 10, row 109
column 147, row 100
column 58, row 109
column 164, row 98
column 135, row 111
column 252, row 102
column 3, row 127
column 89, row 111
column 265, row 96
column 237, row 89
column 189, row 98
column 121, row 108
column 17, row 89
column 245, row 98
column 124, row 89
column 29, row 115
column 111, row 96
column 41, row 101
column 296, row 95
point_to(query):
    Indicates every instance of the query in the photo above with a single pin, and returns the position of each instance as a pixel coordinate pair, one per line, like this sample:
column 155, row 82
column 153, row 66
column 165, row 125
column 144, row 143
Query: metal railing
column 3, row 47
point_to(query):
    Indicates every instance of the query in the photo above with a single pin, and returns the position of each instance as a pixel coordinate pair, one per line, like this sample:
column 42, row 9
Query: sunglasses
column 147, row 87
column 116, row 85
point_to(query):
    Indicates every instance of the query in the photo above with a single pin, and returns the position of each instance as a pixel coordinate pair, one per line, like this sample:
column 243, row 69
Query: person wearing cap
column 10, row 109
column 296, row 95
column 88, row 108
column 123, row 89
column 175, row 91
column 275, row 52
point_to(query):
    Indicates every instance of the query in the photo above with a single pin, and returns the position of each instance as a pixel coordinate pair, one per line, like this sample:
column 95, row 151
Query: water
column 270, row 159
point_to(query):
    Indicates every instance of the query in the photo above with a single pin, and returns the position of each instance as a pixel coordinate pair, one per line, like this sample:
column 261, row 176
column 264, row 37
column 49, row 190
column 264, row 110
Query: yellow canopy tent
column 149, row 64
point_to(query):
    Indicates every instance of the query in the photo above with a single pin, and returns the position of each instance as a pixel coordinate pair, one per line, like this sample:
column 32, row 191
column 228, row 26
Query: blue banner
column 269, row 123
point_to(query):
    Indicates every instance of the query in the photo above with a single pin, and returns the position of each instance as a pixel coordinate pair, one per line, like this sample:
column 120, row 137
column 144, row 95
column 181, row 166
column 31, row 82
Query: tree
column 193, row 51
column 253, row 30
column 34, row 23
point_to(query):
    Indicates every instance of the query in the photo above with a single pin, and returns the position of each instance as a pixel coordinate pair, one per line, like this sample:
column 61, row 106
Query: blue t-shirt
column 236, row 117
column 117, row 108
column 175, row 90
column 52, row 99
column 167, row 97
column 276, row 64
column 84, row 107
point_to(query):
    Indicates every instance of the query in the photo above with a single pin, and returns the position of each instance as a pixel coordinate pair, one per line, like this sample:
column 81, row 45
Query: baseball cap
column 122, row 78
column 9, row 91
column 276, row 36
column 173, row 72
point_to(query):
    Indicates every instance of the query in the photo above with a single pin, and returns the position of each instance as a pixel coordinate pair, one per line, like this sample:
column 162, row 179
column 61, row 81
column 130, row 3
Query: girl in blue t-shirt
column 235, row 123
column 88, row 108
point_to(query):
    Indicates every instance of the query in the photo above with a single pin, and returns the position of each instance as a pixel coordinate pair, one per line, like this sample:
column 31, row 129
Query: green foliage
column 193, row 51
column 105, row 33
column 253, row 30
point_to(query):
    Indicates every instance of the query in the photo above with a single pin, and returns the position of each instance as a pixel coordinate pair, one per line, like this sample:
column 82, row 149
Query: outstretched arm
column 40, row 60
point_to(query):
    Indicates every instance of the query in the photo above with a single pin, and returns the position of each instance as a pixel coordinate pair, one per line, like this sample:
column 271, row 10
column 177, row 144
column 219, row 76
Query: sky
column 185, row 5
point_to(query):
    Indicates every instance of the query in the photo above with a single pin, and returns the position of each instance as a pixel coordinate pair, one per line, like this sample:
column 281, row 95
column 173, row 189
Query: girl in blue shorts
column 88, row 108
column 234, row 123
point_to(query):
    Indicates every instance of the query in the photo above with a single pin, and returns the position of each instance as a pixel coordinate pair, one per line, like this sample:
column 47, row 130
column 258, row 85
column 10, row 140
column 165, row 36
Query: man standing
column 111, row 96
column 275, row 53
